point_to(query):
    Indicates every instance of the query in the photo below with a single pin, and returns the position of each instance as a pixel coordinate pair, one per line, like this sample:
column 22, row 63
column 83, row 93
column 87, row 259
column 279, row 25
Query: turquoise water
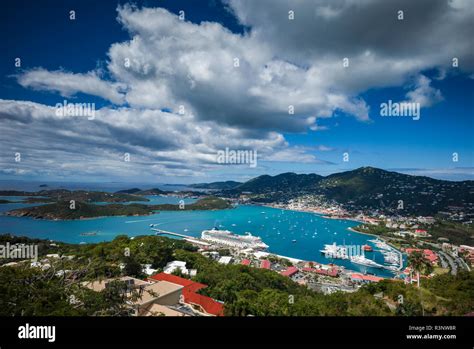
column 277, row 228
column 17, row 204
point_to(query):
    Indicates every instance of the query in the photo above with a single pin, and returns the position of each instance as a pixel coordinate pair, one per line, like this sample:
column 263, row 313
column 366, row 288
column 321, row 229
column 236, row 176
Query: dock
column 185, row 237
column 164, row 232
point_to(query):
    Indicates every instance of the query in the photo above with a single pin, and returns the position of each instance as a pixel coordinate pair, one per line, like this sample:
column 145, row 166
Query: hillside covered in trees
column 244, row 290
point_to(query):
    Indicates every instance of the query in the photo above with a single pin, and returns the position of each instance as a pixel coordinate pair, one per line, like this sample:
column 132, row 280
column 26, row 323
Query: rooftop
column 362, row 277
column 157, row 290
column 329, row 272
column 206, row 304
column 265, row 264
column 290, row 271
column 99, row 285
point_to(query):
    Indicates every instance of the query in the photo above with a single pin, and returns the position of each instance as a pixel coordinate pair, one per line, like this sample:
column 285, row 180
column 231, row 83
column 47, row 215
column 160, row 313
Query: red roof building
column 265, row 264
column 333, row 272
column 204, row 303
column 365, row 278
column 245, row 262
column 429, row 254
column 290, row 271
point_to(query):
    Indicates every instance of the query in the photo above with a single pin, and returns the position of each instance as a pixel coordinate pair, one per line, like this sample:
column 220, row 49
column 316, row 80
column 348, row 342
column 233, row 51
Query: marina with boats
column 300, row 235
column 355, row 254
column 393, row 259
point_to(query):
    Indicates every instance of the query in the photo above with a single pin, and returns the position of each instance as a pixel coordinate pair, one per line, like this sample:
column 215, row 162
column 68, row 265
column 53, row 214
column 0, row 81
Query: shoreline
column 5, row 214
column 359, row 232
column 290, row 258
column 321, row 214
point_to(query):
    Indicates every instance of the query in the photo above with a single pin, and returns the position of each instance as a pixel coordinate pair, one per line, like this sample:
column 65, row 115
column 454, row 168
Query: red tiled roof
column 245, row 262
column 265, row 264
column 290, row 271
column 208, row 304
column 366, row 277
column 429, row 254
column 188, row 284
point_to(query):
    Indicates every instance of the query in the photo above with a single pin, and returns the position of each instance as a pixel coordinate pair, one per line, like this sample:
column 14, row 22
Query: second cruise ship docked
column 227, row 238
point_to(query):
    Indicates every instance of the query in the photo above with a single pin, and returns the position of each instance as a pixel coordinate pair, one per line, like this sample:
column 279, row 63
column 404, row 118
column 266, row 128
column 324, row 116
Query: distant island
column 137, row 191
column 77, row 195
column 61, row 209
column 158, row 192
column 216, row 185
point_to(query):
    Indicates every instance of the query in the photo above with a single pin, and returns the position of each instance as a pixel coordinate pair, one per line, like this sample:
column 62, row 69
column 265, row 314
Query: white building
column 148, row 270
column 171, row 267
column 225, row 260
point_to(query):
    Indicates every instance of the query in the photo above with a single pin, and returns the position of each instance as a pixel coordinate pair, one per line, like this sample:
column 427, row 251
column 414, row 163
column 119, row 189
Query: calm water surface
column 295, row 234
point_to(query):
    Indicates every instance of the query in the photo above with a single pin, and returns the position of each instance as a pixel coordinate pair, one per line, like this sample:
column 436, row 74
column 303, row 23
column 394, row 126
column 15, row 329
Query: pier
column 185, row 237
column 164, row 232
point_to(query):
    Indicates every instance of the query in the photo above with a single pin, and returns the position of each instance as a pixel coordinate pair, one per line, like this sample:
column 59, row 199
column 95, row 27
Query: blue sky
column 188, row 63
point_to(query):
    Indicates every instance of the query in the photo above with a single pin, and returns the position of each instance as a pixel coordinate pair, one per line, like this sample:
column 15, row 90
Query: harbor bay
column 300, row 235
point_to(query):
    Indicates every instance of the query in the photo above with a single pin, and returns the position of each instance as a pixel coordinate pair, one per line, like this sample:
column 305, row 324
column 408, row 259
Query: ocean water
column 294, row 234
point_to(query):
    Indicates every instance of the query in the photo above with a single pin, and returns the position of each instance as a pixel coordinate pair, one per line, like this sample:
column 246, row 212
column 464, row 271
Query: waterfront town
column 178, row 295
column 172, row 295
column 171, row 291
column 172, row 288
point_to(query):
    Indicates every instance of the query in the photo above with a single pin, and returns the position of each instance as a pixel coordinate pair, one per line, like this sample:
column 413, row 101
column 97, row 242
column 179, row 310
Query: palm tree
column 417, row 262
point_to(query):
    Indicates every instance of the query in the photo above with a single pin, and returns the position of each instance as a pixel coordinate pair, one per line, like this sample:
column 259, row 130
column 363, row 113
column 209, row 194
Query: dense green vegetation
column 40, row 200
column 456, row 233
column 252, row 291
column 32, row 291
column 284, row 182
column 137, row 191
column 260, row 292
column 378, row 229
column 63, row 210
column 216, row 185
column 456, row 293
column 245, row 290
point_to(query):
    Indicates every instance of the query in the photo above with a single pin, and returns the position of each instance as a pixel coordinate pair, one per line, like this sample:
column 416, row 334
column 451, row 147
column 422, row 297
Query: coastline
column 294, row 260
column 359, row 232
column 6, row 214
column 321, row 214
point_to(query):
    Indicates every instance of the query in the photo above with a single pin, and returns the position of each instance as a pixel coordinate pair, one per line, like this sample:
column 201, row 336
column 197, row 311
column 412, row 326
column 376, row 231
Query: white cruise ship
column 227, row 238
